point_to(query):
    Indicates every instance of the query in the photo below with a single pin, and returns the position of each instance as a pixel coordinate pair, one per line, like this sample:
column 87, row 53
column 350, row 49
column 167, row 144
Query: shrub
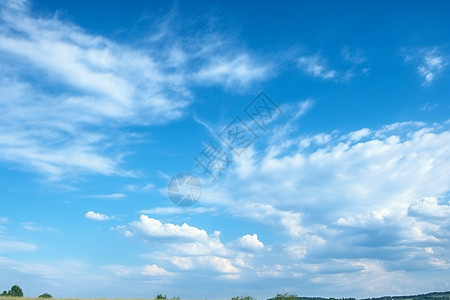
column 243, row 298
column 285, row 296
column 15, row 291
column 161, row 296
column 45, row 295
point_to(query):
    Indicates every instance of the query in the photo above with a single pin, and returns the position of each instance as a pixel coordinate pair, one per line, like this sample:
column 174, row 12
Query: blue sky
column 343, row 192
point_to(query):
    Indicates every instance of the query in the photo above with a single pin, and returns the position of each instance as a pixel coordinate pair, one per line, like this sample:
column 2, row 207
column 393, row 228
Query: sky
column 315, row 136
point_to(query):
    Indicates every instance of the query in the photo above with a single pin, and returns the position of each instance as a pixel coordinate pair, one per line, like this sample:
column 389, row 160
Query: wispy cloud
column 61, row 114
column 34, row 227
column 239, row 71
column 111, row 196
column 16, row 246
column 430, row 63
column 316, row 66
column 172, row 210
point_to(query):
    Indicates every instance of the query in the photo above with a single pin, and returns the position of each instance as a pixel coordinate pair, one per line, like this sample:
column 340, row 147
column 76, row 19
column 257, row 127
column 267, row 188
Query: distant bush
column 243, row 298
column 285, row 296
column 15, row 291
column 161, row 296
column 45, row 295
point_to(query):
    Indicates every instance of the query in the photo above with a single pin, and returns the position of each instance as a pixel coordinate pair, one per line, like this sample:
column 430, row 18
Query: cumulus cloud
column 96, row 216
column 429, row 207
column 149, row 227
column 250, row 242
column 154, row 270
column 190, row 248
column 371, row 194
column 366, row 203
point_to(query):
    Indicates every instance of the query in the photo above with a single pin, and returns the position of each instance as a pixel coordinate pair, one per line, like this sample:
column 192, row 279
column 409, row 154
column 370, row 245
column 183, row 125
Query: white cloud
column 140, row 188
column 149, row 227
column 34, row 227
column 358, row 134
column 288, row 220
column 181, row 239
column 154, row 270
column 233, row 71
column 183, row 263
column 377, row 194
column 16, row 246
column 96, row 216
column 316, row 66
column 93, row 86
column 220, row 264
column 429, row 207
column 206, row 262
column 111, row 196
column 430, row 63
column 250, row 242
column 432, row 66
column 173, row 210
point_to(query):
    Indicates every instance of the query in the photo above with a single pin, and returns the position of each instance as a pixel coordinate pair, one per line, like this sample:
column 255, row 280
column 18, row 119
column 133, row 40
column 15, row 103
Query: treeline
column 16, row 291
column 429, row 296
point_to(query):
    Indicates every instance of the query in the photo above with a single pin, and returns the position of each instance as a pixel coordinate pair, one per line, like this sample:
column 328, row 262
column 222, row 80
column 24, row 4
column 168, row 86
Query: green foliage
column 15, row 291
column 175, row 298
column 161, row 296
column 45, row 295
column 285, row 296
column 243, row 298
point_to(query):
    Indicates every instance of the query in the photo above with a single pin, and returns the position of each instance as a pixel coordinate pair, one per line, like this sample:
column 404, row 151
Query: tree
column 285, row 296
column 243, row 298
column 161, row 296
column 15, row 291
column 45, row 295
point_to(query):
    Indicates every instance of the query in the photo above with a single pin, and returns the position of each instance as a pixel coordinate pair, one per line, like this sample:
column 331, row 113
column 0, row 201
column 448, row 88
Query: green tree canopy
column 285, row 296
column 45, row 295
column 243, row 298
column 15, row 291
